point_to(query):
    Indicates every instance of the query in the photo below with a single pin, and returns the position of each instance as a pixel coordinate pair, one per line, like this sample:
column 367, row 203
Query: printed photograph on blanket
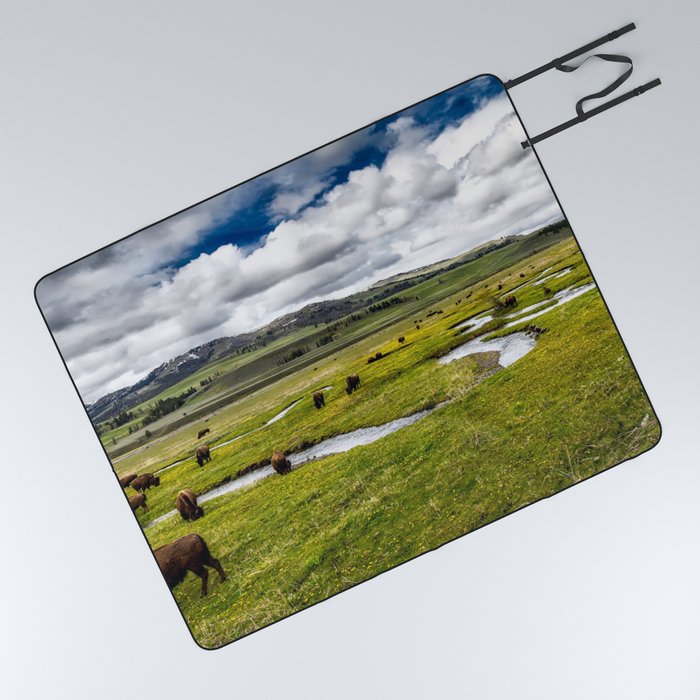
column 347, row 361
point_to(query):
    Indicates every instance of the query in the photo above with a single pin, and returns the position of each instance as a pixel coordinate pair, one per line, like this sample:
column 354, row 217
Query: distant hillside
column 428, row 271
column 179, row 368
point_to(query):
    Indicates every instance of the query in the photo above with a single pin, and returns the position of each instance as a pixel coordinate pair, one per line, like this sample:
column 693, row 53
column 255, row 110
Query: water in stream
column 510, row 348
column 561, row 297
column 274, row 419
column 472, row 324
column 331, row 446
column 553, row 276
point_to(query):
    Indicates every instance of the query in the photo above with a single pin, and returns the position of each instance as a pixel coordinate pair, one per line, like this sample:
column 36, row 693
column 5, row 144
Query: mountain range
column 179, row 368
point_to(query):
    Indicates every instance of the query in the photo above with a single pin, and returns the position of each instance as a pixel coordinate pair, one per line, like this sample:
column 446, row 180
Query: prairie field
column 552, row 399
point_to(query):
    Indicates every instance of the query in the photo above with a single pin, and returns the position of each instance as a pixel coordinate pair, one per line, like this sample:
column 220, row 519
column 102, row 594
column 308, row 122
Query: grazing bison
column 145, row 481
column 522, row 274
column 188, row 553
column 353, row 381
column 202, row 433
column 417, row 327
column 186, row 505
column 510, row 301
column 280, row 463
column 500, row 286
column 126, row 480
column 402, row 340
column 319, row 399
column 202, row 455
column 138, row 501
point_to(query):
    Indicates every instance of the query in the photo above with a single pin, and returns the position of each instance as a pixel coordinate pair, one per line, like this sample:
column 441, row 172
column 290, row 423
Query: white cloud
column 432, row 198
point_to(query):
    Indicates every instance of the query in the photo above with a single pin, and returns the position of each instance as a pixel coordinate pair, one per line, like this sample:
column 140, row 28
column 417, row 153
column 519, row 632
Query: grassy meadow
column 499, row 439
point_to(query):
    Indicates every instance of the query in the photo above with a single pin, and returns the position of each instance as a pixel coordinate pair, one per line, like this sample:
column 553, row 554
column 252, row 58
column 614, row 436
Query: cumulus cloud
column 123, row 311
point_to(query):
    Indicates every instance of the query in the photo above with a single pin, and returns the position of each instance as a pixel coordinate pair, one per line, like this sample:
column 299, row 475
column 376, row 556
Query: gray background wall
column 117, row 114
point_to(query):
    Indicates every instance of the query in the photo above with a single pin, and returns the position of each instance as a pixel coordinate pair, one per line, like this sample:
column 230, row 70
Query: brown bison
column 202, row 433
column 186, row 505
column 138, row 501
column 145, row 481
column 202, row 455
column 402, row 340
column 510, row 301
column 188, row 553
column 352, row 381
column 126, row 480
column 280, row 463
column 319, row 399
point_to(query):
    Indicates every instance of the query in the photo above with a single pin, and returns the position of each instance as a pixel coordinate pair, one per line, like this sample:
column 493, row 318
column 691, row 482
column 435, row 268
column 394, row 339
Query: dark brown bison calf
column 280, row 463
column 126, row 480
column 145, row 481
column 353, row 381
column 186, row 505
column 188, row 553
column 202, row 455
column 319, row 399
column 202, row 433
column 138, row 501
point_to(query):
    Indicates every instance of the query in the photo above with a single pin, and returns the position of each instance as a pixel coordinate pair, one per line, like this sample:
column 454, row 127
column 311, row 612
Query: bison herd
column 191, row 553
column 188, row 553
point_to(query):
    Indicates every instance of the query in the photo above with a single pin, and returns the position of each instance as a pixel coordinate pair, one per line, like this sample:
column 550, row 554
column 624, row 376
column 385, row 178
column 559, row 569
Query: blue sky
column 246, row 225
column 423, row 185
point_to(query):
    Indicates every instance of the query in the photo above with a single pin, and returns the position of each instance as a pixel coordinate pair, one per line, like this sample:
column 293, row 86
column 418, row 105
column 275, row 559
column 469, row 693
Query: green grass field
column 570, row 408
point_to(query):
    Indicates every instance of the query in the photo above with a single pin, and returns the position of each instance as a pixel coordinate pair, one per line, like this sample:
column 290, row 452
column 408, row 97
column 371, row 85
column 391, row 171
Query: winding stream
column 561, row 297
column 475, row 322
column 274, row 419
column 510, row 348
column 554, row 275
column 331, row 446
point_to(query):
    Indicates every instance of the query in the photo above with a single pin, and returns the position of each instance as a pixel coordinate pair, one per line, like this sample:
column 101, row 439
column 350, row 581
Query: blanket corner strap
column 572, row 54
column 640, row 90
